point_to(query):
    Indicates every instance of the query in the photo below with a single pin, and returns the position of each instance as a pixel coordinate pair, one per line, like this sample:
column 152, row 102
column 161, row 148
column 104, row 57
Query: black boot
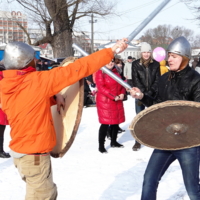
column 136, row 146
column 102, row 136
column 114, row 142
column 102, row 149
column 120, row 130
column 117, row 145
column 2, row 153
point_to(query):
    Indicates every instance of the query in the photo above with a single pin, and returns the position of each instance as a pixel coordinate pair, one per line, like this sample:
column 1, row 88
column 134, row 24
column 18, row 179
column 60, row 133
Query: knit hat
column 145, row 47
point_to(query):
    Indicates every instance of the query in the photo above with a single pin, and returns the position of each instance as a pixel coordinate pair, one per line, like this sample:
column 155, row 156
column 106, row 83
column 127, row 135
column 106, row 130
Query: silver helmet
column 180, row 46
column 17, row 55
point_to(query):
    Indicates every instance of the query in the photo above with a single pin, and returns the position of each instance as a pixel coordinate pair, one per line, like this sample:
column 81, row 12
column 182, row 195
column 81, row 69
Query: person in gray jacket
column 127, row 70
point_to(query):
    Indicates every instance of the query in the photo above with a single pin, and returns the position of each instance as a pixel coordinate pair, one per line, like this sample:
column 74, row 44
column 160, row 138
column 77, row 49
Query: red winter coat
column 3, row 118
column 109, row 111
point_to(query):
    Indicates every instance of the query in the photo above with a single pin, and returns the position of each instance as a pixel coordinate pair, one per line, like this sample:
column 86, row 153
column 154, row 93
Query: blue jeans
column 138, row 108
column 159, row 162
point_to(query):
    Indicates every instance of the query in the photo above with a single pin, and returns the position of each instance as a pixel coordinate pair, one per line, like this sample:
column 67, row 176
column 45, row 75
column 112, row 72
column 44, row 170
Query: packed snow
column 86, row 174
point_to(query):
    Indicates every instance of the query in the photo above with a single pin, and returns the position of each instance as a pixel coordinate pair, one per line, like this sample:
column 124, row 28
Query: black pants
column 103, row 131
column 2, row 129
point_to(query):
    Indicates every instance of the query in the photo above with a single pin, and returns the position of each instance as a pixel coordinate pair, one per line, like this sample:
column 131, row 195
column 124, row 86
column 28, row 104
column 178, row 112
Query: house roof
column 43, row 46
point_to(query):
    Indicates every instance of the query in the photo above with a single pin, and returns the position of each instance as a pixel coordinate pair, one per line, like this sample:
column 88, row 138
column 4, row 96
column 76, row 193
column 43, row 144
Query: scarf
column 26, row 70
column 146, row 62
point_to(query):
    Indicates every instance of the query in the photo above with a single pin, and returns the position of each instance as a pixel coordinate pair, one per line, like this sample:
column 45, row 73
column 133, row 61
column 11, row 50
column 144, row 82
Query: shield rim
column 78, row 116
column 169, row 103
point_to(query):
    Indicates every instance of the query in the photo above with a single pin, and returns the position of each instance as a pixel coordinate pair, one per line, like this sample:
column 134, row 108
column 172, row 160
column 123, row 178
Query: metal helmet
column 180, row 46
column 17, row 55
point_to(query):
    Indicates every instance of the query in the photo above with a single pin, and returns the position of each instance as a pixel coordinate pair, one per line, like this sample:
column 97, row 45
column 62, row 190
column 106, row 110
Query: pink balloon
column 159, row 54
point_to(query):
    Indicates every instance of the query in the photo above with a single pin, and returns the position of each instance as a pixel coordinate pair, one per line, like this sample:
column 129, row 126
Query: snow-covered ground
column 85, row 174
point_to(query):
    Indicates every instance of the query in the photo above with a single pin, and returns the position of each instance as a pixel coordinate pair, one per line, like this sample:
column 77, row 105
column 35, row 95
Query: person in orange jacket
column 26, row 98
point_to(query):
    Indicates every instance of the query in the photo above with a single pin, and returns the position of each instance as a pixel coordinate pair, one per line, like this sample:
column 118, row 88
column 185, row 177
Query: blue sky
column 131, row 15
column 134, row 12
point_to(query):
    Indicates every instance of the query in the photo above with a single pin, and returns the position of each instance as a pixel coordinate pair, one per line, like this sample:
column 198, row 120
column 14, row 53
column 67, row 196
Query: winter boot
column 102, row 149
column 120, row 130
column 2, row 153
column 117, row 145
column 114, row 143
column 102, row 137
column 136, row 146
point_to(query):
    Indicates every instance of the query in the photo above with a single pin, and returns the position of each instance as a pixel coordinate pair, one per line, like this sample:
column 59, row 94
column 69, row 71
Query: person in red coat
column 109, row 106
column 3, row 123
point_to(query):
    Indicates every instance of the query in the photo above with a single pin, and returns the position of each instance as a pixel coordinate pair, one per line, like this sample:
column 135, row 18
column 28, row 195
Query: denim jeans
column 159, row 162
column 138, row 108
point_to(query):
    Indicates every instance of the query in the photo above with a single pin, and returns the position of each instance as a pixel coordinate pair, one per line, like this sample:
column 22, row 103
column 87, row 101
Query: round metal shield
column 66, row 122
column 170, row 125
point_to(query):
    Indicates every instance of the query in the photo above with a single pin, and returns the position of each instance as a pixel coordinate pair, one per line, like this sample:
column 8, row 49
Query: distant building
column 196, row 52
column 83, row 40
column 38, row 34
column 131, row 50
column 46, row 50
column 9, row 30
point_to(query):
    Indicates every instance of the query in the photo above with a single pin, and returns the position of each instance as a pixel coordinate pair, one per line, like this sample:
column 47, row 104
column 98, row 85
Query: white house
column 132, row 50
column 196, row 52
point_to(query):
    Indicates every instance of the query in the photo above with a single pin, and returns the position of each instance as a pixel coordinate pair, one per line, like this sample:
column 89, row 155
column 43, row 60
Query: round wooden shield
column 66, row 122
column 170, row 125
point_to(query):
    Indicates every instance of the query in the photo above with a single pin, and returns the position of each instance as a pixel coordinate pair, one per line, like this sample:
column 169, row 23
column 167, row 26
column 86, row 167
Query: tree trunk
column 62, row 45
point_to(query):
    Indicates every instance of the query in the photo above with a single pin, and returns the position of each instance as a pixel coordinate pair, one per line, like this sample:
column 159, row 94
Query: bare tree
column 182, row 31
column 58, row 18
column 196, row 42
column 194, row 6
column 162, row 35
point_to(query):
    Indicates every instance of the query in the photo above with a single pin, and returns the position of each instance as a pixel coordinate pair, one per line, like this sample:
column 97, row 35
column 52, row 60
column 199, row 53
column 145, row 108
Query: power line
column 129, row 10
column 139, row 7
column 136, row 22
column 106, row 32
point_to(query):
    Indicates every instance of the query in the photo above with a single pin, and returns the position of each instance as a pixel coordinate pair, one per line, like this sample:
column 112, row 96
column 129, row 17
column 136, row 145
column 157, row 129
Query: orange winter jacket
column 25, row 98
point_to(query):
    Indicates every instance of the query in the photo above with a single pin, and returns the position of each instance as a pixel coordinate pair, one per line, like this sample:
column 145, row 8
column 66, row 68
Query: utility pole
column 92, row 21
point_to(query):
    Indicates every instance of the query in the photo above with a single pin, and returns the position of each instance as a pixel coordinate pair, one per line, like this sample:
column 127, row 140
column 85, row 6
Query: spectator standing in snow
column 145, row 74
column 109, row 102
column 3, row 123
